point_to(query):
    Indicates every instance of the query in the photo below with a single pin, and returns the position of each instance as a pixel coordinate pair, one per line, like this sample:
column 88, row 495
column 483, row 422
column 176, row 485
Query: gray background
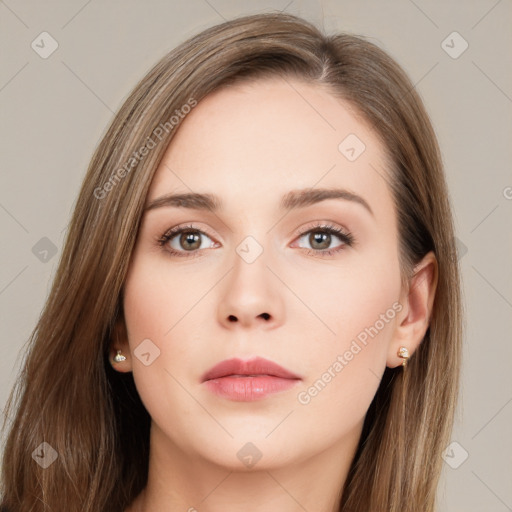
column 55, row 109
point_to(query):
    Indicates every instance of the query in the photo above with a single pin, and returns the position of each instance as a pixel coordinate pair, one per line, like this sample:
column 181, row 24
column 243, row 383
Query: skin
column 250, row 144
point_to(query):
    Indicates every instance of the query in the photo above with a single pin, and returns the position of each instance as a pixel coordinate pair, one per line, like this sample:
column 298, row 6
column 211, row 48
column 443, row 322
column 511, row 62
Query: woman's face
column 262, row 276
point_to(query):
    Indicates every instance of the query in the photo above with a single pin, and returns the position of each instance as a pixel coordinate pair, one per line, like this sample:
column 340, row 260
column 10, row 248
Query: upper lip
column 256, row 366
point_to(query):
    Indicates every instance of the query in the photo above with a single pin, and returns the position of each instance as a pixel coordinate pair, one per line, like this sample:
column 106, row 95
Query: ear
column 119, row 341
column 417, row 300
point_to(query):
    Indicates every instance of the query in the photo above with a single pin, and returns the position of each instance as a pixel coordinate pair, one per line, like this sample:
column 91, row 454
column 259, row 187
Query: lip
column 246, row 381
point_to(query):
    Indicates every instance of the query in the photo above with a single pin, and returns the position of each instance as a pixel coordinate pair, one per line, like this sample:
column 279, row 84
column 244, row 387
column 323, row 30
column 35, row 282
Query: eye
column 184, row 239
column 321, row 237
column 188, row 241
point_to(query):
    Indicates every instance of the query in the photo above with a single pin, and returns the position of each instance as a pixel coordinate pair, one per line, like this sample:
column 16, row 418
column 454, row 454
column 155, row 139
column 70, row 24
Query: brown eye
column 182, row 240
column 320, row 241
column 321, row 238
column 189, row 240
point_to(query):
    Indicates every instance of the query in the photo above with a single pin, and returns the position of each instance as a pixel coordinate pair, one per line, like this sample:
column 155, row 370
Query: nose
column 251, row 297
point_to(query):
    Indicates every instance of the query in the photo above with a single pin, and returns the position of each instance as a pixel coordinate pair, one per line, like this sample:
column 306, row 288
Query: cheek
column 344, row 375
column 345, row 369
column 353, row 301
column 156, row 298
column 153, row 306
column 163, row 347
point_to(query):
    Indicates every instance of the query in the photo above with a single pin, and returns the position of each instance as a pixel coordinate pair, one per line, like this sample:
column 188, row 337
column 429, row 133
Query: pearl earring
column 119, row 357
column 404, row 354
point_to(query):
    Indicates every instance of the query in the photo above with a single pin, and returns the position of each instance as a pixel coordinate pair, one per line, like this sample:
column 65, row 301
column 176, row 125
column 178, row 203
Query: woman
column 302, row 353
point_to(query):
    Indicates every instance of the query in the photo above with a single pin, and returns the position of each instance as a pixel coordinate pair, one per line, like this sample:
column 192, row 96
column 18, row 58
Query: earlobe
column 418, row 302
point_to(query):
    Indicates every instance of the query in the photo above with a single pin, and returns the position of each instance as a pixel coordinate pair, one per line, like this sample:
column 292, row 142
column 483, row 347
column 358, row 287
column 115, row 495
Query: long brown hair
column 67, row 394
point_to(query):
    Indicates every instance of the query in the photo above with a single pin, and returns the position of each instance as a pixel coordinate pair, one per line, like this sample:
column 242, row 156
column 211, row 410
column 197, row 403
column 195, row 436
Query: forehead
column 257, row 140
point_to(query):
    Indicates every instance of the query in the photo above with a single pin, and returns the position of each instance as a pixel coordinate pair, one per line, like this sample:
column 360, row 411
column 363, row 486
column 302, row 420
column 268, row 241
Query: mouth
column 251, row 380
column 256, row 367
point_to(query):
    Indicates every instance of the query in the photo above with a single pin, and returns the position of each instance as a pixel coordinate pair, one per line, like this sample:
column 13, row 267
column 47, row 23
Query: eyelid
column 321, row 224
column 181, row 227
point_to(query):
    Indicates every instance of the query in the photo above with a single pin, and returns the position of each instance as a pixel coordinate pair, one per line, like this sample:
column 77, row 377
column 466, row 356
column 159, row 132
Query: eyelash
column 346, row 237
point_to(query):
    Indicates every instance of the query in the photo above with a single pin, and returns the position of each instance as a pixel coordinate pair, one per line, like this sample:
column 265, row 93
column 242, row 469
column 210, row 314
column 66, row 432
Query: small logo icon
column 351, row 147
column 249, row 249
column 44, row 250
column 249, row 455
column 45, row 455
column 147, row 352
column 454, row 45
column 44, row 45
column 461, row 248
column 455, row 455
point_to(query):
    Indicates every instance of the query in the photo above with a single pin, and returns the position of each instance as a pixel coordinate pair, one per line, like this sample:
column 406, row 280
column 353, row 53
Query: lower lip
column 248, row 389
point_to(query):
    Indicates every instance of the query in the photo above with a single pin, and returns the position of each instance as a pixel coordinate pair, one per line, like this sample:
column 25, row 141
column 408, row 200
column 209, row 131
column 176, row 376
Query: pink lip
column 245, row 381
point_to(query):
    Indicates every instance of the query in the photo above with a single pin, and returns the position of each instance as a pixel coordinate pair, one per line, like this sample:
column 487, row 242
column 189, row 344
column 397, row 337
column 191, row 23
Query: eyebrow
column 292, row 200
